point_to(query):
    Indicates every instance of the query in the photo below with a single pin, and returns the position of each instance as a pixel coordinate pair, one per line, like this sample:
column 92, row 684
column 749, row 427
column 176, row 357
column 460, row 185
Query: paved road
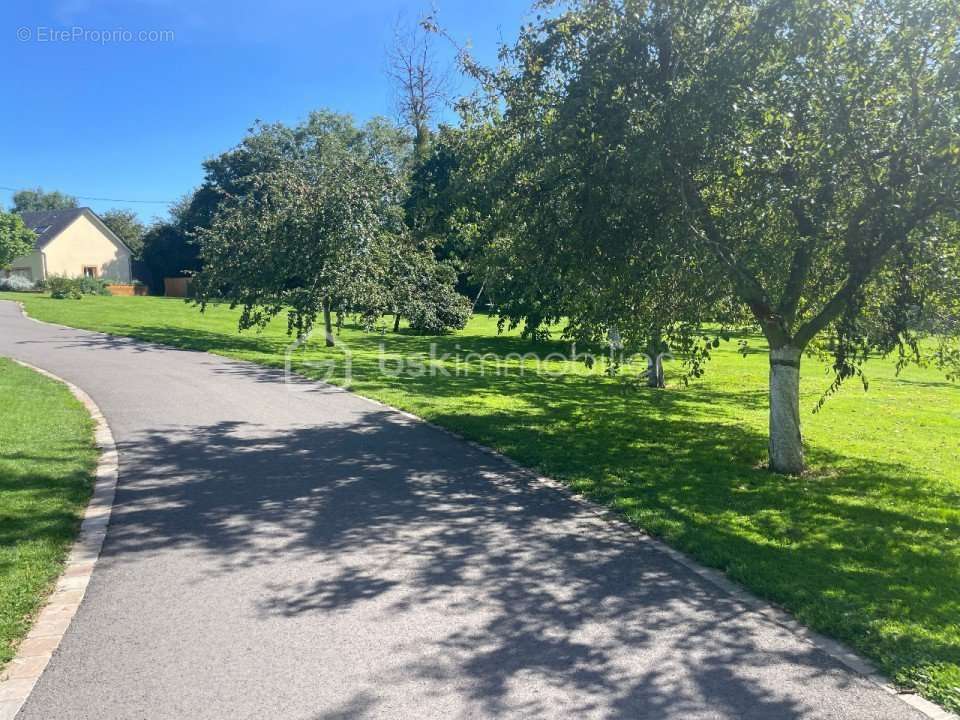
column 310, row 555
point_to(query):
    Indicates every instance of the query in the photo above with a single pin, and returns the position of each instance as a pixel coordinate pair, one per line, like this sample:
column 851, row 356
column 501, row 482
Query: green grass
column 866, row 548
column 47, row 456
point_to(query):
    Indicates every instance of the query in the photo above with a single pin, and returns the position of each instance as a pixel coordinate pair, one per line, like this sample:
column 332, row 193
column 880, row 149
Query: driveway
column 312, row 555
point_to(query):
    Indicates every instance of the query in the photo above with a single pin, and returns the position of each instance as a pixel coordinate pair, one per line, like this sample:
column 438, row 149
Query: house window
column 22, row 272
column 90, row 271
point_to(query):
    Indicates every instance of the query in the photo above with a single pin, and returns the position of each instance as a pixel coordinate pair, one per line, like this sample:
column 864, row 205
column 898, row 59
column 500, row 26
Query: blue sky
column 121, row 119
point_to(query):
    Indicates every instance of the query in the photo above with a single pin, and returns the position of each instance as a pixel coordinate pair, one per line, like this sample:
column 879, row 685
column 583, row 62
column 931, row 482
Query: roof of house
column 49, row 224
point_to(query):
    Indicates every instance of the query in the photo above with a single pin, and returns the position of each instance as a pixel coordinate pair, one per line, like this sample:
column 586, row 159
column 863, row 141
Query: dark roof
column 47, row 225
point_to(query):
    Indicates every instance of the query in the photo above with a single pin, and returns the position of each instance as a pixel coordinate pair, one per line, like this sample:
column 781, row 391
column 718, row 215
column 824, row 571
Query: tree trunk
column 396, row 322
column 328, row 325
column 655, row 350
column 786, row 445
column 479, row 295
column 421, row 142
column 655, row 371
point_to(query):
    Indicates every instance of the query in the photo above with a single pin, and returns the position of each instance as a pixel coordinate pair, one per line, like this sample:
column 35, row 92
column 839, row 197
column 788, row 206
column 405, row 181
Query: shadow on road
column 532, row 589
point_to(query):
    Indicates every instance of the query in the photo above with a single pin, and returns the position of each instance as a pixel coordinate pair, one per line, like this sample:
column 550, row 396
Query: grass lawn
column 47, row 457
column 866, row 548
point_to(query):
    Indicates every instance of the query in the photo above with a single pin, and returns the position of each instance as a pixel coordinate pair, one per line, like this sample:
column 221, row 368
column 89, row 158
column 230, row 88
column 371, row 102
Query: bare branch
column 421, row 84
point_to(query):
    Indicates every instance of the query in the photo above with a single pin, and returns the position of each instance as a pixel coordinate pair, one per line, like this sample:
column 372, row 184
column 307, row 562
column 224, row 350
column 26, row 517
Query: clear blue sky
column 108, row 117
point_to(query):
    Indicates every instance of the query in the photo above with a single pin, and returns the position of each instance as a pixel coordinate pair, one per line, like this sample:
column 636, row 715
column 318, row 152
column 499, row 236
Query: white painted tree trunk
column 655, row 371
column 786, row 445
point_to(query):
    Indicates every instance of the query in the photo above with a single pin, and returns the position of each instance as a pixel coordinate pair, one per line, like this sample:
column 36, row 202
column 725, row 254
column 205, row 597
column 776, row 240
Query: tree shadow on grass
column 272, row 342
column 868, row 552
column 865, row 551
column 483, row 585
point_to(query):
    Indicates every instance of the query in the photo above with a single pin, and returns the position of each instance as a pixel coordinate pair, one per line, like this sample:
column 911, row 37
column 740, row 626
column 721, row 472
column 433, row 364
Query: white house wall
column 83, row 244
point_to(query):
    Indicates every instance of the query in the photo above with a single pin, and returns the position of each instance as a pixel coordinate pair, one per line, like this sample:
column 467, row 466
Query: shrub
column 17, row 283
column 63, row 288
column 438, row 311
column 92, row 286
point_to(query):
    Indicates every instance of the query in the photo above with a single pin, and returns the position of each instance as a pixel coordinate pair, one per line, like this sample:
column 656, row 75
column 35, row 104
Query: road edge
column 834, row 649
column 21, row 674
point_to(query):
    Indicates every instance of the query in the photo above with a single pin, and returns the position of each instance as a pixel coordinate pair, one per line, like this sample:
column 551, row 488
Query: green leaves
column 302, row 221
column 782, row 157
column 39, row 200
column 311, row 217
column 16, row 239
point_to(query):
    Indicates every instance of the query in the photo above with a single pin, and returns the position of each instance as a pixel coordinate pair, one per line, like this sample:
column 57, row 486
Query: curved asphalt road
column 310, row 555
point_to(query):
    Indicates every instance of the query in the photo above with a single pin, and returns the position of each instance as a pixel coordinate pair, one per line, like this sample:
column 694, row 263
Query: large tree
column 309, row 222
column 806, row 156
column 39, row 200
column 569, row 235
column 423, row 266
column 16, row 239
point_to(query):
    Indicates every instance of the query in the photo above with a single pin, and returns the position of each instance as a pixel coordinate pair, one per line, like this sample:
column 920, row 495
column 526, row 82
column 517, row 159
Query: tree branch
column 861, row 270
column 745, row 283
column 799, row 266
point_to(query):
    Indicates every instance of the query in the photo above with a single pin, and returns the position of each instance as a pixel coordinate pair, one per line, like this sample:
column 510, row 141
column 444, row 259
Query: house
column 74, row 243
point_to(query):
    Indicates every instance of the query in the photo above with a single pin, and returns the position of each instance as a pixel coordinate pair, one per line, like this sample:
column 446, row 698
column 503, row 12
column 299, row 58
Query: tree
column 16, row 239
column 441, row 206
column 568, row 233
column 127, row 226
column 167, row 251
column 309, row 221
column 805, row 155
column 420, row 83
column 426, row 294
column 307, row 227
column 37, row 200
column 169, row 247
column 423, row 289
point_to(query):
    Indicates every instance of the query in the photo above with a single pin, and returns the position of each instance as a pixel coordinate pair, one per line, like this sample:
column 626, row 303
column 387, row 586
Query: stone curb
column 750, row 603
column 20, row 675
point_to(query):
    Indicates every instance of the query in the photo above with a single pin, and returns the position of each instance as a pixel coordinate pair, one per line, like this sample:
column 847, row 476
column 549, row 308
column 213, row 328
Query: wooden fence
column 177, row 287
